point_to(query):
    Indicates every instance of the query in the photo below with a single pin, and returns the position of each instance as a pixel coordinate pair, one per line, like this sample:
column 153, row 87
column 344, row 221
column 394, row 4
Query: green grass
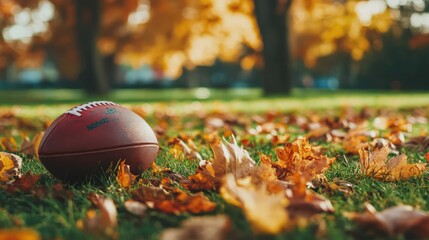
column 55, row 218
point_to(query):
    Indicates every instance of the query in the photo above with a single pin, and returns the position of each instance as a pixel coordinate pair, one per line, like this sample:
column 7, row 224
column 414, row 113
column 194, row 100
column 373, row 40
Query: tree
column 272, row 18
column 93, row 72
column 168, row 35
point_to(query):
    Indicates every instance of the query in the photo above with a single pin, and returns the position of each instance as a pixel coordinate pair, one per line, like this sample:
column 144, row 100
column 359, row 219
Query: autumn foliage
column 280, row 171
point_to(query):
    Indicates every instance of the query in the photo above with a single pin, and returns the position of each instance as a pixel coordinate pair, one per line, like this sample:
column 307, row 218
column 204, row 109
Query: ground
column 194, row 115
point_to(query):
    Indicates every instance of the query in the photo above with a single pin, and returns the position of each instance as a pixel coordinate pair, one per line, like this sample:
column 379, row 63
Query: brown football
column 88, row 139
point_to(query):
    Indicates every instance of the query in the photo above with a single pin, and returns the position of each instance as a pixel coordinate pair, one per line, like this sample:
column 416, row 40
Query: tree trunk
column 345, row 72
column 272, row 18
column 92, row 73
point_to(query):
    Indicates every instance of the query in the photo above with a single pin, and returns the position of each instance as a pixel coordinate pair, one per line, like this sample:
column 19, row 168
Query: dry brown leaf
column 376, row 164
column 32, row 147
column 57, row 191
column 402, row 219
column 19, row 234
column 10, row 167
column 420, row 143
column 26, row 183
column 175, row 202
column 319, row 133
column 231, row 158
column 135, row 207
column 299, row 157
column 266, row 212
column 125, row 178
column 228, row 158
column 357, row 138
column 304, row 203
column 200, row 181
column 332, row 187
column 102, row 223
column 217, row 227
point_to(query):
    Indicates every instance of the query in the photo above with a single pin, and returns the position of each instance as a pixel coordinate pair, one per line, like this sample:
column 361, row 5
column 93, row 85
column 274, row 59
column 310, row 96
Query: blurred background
column 275, row 45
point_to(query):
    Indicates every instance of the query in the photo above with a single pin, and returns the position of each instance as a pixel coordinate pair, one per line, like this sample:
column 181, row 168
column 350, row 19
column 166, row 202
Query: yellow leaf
column 19, row 234
column 10, row 166
column 9, row 144
column 265, row 212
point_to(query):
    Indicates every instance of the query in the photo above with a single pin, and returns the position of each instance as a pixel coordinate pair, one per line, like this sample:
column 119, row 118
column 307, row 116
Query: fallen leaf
column 217, row 227
column 266, row 212
column 125, row 178
column 158, row 169
column 135, row 207
column 10, row 167
column 25, row 183
column 200, row 181
column 9, row 144
column 228, row 158
column 57, row 191
column 420, row 143
column 299, row 157
column 31, row 147
column 402, row 219
column 102, row 223
column 180, row 148
column 174, row 202
column 335, row 186
column 357, row 138
column 377, row 165
column 304, row 203
column 19, row 234
column 231, row 158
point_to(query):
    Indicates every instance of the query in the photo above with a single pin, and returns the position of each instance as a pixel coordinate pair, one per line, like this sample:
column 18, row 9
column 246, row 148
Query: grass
column 55, row 218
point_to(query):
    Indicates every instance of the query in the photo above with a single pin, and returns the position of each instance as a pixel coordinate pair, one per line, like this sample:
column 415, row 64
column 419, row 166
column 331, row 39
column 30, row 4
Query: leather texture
column 76, row 146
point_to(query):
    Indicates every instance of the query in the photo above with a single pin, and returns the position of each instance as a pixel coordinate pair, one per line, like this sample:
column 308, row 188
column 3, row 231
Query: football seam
column 99, row 150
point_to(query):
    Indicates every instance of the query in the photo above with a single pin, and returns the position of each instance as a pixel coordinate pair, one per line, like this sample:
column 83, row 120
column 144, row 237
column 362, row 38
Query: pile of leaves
column 221, row 175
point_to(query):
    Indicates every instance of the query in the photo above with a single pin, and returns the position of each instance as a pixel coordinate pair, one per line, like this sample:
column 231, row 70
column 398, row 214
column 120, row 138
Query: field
column 201, row 117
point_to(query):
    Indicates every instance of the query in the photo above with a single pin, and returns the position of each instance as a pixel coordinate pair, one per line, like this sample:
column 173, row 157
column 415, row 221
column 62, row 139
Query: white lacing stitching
column 77, row 110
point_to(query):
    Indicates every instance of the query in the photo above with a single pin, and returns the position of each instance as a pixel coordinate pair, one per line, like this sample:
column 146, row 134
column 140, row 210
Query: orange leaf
column 299, row 157
column 125, row 177
column 200, row 181
column 377, row 165
column 19, row 234
column 175, row 202
column 9, row 144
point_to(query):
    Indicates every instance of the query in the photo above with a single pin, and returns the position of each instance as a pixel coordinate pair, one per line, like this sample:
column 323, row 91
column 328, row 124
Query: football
column 87, row 140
